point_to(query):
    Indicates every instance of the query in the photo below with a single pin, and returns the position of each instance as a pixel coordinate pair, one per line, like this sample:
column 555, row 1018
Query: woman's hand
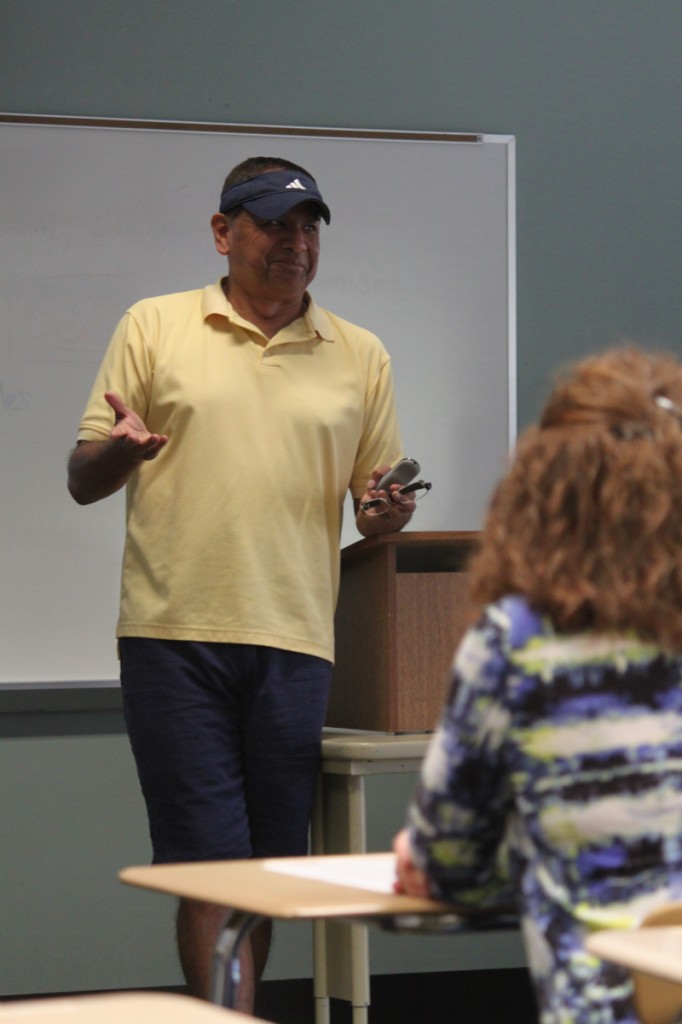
column 410, row 879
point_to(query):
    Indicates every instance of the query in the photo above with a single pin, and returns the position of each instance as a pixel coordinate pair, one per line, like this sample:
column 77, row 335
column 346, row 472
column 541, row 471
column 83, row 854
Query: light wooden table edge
column 278, row 894
column 656, row 951
column 112, row 1008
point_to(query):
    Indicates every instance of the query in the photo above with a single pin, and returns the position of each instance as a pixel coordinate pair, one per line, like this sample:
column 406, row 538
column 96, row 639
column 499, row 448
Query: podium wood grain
column 402, row 610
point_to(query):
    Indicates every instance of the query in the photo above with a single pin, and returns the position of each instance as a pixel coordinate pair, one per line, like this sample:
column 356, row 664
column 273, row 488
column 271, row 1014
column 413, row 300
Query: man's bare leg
column 198, row 925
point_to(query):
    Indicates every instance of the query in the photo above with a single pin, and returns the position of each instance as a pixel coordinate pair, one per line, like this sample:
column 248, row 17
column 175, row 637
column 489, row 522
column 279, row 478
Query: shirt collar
column 313, row 323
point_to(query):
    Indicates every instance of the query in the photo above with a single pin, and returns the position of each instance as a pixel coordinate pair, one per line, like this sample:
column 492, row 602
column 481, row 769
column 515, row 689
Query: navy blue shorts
column 226, row 739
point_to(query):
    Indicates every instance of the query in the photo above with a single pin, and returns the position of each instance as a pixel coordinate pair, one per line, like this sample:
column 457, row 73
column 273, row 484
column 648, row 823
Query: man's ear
column 221, row 233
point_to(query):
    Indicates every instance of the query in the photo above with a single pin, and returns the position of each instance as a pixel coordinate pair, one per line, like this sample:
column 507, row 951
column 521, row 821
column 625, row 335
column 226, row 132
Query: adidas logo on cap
column 296, row 184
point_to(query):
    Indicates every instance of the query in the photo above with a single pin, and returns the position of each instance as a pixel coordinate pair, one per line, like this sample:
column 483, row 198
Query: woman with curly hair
column 554, row 779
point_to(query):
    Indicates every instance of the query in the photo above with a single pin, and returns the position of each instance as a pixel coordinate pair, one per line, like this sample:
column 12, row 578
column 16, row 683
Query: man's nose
column 296, row 238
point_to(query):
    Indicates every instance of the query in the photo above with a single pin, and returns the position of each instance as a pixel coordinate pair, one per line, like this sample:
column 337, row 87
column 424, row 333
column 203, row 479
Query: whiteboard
column 97, row 214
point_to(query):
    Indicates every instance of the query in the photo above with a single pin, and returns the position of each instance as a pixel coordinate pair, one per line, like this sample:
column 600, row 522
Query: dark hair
column 587, row 522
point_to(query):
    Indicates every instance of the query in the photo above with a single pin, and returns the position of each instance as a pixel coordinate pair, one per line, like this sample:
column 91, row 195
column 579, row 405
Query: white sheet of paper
column 373, row 873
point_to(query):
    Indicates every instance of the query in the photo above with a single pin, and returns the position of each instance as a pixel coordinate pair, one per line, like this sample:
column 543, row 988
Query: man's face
column 271, row 259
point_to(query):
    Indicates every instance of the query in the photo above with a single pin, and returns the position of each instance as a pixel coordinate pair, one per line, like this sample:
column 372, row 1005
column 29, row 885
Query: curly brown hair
column 587, row 522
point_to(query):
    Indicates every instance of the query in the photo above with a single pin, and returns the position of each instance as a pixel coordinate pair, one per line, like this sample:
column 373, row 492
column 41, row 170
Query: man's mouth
column 293, row 264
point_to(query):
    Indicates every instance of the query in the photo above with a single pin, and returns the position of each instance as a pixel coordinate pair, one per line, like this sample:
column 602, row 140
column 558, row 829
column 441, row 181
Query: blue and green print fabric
column 554, row 782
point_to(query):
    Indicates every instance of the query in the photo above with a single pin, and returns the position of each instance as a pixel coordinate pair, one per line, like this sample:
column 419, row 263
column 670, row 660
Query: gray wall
column 591, row 90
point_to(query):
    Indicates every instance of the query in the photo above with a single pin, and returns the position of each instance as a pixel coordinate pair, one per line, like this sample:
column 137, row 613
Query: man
column 237, row 415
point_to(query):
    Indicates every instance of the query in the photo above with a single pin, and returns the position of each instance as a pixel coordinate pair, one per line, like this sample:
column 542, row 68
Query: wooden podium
column 402, row 610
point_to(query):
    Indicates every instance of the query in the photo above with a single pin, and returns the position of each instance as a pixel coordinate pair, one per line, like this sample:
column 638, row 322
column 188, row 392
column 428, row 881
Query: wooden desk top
column 655, row 951
column 126, row 1007
column 262, row 887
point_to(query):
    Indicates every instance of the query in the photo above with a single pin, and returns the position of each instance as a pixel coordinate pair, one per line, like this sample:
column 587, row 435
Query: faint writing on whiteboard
column 13, row 401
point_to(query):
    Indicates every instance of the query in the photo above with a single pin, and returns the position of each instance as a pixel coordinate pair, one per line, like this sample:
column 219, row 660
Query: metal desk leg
column 226, row 973
column 320, row 982
column 340, row 952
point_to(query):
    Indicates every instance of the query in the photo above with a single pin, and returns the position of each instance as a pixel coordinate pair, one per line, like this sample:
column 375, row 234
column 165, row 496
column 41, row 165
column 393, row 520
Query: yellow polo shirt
column 233, row 530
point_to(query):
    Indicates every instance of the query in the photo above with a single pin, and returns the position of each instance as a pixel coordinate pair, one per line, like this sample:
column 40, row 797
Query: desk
column 341, row 952
column 655, row 951
column 128, row 1007
column 258, row 889
column 653, row 955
